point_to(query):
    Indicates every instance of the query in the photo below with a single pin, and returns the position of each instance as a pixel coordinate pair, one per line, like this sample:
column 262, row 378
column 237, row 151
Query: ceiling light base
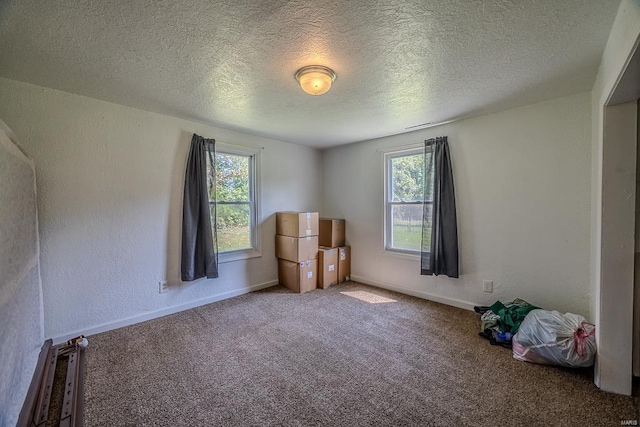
column 315, row 79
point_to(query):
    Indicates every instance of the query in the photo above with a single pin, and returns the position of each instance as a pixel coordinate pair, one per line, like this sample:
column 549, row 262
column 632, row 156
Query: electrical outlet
column 163, row 287
column 487, row 286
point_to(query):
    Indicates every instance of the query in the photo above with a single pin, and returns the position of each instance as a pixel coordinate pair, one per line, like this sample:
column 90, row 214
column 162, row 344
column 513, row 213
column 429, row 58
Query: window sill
column 401, row 254
column 238, row 256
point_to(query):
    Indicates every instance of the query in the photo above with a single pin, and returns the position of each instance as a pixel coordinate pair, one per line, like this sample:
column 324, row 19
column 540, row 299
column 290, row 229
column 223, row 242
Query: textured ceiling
column 231, row 63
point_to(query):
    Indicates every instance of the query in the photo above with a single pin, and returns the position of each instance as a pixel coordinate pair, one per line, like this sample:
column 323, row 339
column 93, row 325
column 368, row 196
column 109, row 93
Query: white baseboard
column 420, row 294
column 160, row 313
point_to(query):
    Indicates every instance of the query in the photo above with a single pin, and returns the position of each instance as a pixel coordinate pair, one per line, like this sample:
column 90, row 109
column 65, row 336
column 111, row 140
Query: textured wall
column 21, row 334
column 109, row 195
column 522, row 193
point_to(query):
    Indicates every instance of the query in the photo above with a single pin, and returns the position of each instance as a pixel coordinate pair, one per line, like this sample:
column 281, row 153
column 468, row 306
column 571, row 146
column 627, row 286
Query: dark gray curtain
column 199, row 243
column 439, row 254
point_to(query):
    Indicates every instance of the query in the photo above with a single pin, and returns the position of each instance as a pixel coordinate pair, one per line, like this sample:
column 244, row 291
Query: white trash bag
column 560, row 339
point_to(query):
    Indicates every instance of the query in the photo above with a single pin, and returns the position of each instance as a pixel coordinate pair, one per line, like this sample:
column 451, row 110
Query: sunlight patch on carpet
column 368, row 297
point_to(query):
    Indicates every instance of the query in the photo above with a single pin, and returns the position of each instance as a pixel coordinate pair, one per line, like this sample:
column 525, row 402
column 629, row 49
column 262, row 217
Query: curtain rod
column 428, row 141
column 401, row 147
column 446, row 122
column 244, row 147
column 240, row 146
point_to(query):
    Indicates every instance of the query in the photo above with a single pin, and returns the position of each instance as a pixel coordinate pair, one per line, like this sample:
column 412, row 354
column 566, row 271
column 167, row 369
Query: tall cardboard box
column 332, row 232
column 296, row 249
column 297, row 224
column 327, row 267
column 344, row 263
column 298, row 276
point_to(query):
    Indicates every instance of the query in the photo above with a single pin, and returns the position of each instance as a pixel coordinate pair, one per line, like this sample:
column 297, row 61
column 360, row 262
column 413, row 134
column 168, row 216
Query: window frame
column 387, row 157
column 254, row 190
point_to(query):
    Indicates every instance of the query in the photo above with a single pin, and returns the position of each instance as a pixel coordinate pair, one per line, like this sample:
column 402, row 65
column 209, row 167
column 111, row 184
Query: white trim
column 387, row 156
column 256, row 251
column 104, row 327
column 611, row 361
column 413, row 256
column 237, row 149
column 400, row 148
column 420, row 294
column 631, row 48
column 240, row 255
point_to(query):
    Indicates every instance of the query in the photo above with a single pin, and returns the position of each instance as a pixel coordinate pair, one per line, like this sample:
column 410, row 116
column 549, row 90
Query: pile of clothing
column 500, row 322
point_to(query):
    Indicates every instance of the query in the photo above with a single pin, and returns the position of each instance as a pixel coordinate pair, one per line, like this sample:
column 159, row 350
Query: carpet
column 350, row 355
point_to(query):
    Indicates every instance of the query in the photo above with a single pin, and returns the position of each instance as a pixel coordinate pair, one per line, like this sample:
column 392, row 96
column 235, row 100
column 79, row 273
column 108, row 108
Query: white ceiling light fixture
column 315, row 79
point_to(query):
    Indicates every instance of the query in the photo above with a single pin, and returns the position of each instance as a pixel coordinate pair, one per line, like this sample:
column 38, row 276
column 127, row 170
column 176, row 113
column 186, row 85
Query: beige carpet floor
column 351, row 355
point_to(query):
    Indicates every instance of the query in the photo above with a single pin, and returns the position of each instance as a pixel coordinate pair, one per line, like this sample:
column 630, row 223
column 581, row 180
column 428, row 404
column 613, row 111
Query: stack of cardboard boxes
column 334, row 258
column 311, row 251
column 297, row 250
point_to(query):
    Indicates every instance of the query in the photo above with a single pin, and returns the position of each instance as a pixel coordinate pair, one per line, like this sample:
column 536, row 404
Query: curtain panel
column 439, row 252
column 199, row 242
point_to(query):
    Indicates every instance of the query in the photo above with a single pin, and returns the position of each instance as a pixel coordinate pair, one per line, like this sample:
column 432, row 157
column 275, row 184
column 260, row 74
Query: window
column 404, row 200
column 235, row 201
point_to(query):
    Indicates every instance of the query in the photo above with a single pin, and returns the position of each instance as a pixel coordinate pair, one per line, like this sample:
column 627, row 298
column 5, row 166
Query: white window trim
column 256, row 252
column 387, row 154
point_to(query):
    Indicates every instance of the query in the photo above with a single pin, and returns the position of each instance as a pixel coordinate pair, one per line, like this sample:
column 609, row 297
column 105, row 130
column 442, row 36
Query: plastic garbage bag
column 524, row 353
column 560, row 339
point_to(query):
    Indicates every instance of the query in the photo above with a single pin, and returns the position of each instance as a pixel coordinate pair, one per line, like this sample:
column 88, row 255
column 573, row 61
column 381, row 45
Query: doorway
column 618, row 315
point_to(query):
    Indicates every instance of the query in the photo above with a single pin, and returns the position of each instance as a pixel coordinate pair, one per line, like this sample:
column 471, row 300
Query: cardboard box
column 344, row 263
column 297, row 224
column 331, row 232
column 327, row 267
column 298, row 276
column 296, row 249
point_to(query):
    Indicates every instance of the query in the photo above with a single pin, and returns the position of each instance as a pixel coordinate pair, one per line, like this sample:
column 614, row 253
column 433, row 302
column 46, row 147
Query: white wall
column 612, row 365
column 21, row 333
column 522, row 181
column 109, row 196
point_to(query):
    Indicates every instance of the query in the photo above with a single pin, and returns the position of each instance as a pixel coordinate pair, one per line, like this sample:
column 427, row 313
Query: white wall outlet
column 487, row 286
column 163, row 287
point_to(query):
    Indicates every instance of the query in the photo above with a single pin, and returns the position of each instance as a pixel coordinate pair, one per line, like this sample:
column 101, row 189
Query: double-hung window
column 234, row 195
column 405, row 202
